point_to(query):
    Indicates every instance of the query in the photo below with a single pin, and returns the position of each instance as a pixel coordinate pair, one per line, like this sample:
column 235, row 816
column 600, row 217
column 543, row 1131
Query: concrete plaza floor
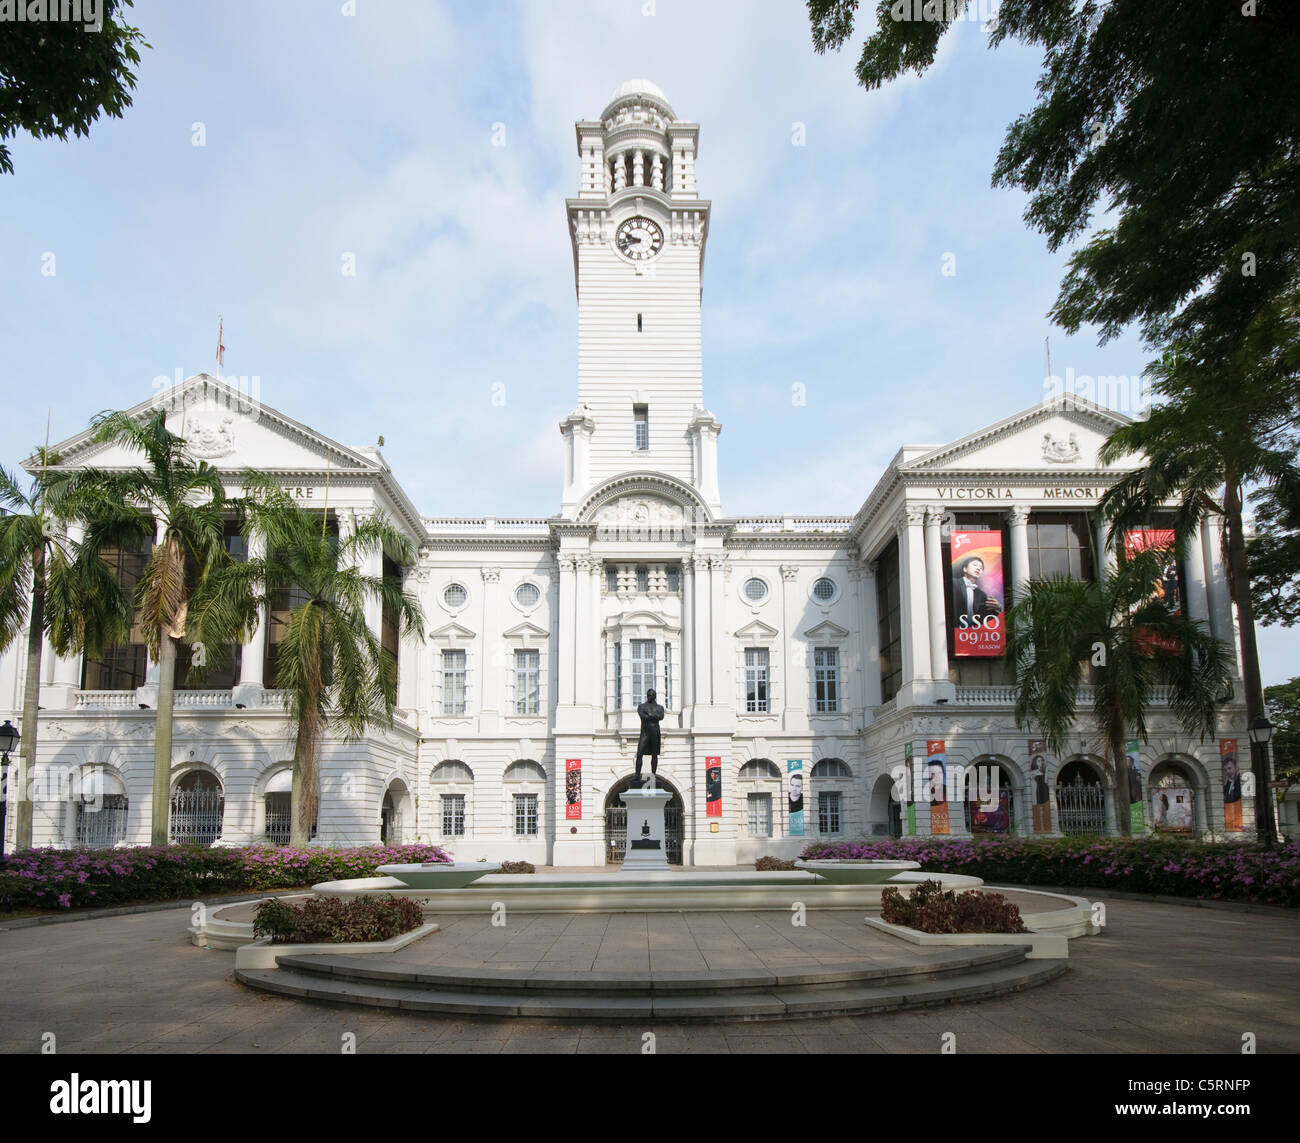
column 1162, row 978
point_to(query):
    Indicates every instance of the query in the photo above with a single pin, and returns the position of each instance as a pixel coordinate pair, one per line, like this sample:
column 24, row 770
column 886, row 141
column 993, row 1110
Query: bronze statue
column 650, row 713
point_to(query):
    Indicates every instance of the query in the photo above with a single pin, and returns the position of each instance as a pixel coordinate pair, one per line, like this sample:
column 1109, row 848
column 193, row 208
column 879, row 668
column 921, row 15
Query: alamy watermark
column 945, row 11
column 88, row 13
column 1122, row 392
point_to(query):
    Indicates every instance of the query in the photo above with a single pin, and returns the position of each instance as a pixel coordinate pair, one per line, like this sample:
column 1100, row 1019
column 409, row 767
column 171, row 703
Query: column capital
column 585, row 563
column 490, row 575
column 789, row 572
column 564, row 563
column 910, row 516
column 1018, row 514
column 934, row 515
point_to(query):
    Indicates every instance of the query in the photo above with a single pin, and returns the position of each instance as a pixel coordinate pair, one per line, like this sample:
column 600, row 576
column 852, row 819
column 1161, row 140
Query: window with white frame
column 618, row 675
column 668, row 676
column 756, row 682
column 641, row 423
column 642, row 578
column 453, row 683
column 826, row 678
column 760, row 815
column 643, row 668
column 528, row 670
column 453, row 814
column 525, row 815
column 828, row 811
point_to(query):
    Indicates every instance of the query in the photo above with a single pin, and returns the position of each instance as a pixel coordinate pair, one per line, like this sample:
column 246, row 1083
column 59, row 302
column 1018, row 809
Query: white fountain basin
column 857, row 872
column 439, row 874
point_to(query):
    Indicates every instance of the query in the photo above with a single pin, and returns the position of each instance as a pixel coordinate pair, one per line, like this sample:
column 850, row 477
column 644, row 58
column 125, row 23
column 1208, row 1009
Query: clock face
column 639, row 238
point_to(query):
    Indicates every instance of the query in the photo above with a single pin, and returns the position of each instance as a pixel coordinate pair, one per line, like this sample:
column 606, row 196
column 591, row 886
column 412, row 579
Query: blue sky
column 328, row 133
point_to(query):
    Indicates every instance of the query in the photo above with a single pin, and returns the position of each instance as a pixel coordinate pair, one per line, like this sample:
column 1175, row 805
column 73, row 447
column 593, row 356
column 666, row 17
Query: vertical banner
column 573, row 789
column 936, row 764
column 713, row 787
column 1167, row 588
column 911, row 803
column 975, row 564
column 1135, row 819
column 794, row 795
column 1042, row 794
column 1231, row 784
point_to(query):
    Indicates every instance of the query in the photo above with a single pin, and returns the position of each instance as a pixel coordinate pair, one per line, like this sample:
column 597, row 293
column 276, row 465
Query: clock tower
column 638, row 230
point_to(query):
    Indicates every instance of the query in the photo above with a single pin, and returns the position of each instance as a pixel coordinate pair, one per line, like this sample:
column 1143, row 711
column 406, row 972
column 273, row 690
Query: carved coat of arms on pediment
column 208, row 438
column 641, row 512
column 1057, row 451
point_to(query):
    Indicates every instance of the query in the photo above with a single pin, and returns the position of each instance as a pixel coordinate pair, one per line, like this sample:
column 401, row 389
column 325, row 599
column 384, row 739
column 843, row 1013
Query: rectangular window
column 618, row 676
column 453, row 815
column 643, row 579
column 611, row 578
column 826, row 670
column 1060, row 543
column 889, row 606
column 641, row 424
column 760, row 815
column 453, row 682
column 828, row 813
column 668, row 675
column 525, row 815
column 756, row 680
column 121, row 667
column 527, row 676
column 643, row 668
column 674, row 577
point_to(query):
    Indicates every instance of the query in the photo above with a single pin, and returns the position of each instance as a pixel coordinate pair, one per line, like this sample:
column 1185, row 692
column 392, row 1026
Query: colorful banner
column 1171, row 809
column 911, row 805
column 1132, row 753
column 1231, row 770
column 794, row 795
column 1042, row 792
column 936, row 763
column 713, row 787
column 975, row 565
column 573, row 789
column 1167, row 588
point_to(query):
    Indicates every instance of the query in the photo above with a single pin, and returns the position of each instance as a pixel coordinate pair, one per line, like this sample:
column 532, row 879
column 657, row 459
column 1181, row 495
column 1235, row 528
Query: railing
column 196, row 816
column 793, row 523
column 106, row 700
column 986, row 696
column 1081, row 807
column 102, row 827
column 486, row 524
column 203, row 698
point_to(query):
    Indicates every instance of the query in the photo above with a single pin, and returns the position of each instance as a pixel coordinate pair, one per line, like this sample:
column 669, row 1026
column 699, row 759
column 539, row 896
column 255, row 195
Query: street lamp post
column 1261, row 730
column 8, row 740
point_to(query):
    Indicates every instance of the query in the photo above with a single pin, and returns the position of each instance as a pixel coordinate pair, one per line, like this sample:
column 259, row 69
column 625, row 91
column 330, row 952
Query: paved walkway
column 1162, row 978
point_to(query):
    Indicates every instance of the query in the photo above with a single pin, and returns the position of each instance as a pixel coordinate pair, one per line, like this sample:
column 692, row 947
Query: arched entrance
column 886, row 810
column 616, row 822
column 1172, row 799
column 1000, row 816
column 197, row 809
column 1080, row 799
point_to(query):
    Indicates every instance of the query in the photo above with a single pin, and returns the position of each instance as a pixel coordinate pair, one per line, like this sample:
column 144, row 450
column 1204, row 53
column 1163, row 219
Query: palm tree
column 183, row 503
column 1226, row 425
column 332, row 667
column 52, row 587
column 1133, row 642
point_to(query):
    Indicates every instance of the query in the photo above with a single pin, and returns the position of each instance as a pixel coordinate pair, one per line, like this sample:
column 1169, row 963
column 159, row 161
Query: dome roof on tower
column 638, row 87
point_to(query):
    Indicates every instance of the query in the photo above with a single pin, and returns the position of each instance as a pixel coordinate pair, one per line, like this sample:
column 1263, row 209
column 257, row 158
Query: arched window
column 999, row 816
column 524, row 771
column 1172, row 799
column 101, row 810
column 279, row 789
column 759, row 768
column 452, row 772
column 831, row 768
column 1080, row 799
column 197, row 809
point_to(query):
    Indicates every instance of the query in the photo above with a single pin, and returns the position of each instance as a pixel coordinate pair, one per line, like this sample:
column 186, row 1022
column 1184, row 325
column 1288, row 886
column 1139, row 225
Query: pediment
column 1060, row 436
column 231, row 429
column 826, row 630
column 756, row 630
column 527, row 632
column 451, row 633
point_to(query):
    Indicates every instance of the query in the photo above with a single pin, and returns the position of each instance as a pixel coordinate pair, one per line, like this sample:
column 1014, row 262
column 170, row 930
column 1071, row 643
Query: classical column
column 493, row 666
column 935, row 582
column 248, row 692
column 792, row 708
column 688, row 633
column 65, row 670
column 703, row 629
column 568, row 591
column 716, row 612
column 657, row 171
column 911, row 578
column 1106, row 558
column 869, row 639
column 584, row 692
column 1019, row 516
column 1198, row 599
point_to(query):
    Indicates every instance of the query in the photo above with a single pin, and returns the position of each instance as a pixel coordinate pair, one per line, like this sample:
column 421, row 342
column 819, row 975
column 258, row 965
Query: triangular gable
column 527, row 632
column 826, row 630
column 452, row 633
column 1063, row 435
column 757, row 630
column 228, row 427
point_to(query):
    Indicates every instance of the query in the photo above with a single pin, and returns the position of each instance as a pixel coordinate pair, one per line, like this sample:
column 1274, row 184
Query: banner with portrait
column 1171, row 809
column 1041, row 793
column 1230, row 768
column 976, row 594
column 936, row 764
column 794, row 795
column 1132, row 759
column 1167, row 587
column 713, row 787
column 573, row 789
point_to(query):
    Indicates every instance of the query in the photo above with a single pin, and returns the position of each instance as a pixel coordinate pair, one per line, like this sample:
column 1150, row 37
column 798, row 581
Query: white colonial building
column 825, row 641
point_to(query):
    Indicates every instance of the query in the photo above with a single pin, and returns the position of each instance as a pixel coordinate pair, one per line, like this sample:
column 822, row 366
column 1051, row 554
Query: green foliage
column 330, row 920
column 929, row 909
column 1274, row 555
column 1283, row 703
column 58, row 76
column 1182, row 119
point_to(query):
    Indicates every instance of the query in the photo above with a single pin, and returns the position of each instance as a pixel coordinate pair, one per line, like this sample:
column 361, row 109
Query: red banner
column 1167, row 587
column 713, row 787
column 978, row 625
column 936, row 761
column 573, row 789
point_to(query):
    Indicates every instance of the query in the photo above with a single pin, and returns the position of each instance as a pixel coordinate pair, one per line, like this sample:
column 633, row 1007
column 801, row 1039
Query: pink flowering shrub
column 64, row 878
column 1223, row 871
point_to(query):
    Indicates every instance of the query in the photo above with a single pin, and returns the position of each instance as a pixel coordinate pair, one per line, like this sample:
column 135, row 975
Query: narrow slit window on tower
column 641, row 422
column 639, row 326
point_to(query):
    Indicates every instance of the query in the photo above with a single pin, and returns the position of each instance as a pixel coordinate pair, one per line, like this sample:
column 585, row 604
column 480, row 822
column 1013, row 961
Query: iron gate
column 278, row 823
column 103, row 827
column 196, row 816
column 616, row 834
column 1081, row 806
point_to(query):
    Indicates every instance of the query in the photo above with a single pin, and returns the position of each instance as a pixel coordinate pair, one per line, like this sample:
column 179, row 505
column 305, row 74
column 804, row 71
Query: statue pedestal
column 646, row 845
